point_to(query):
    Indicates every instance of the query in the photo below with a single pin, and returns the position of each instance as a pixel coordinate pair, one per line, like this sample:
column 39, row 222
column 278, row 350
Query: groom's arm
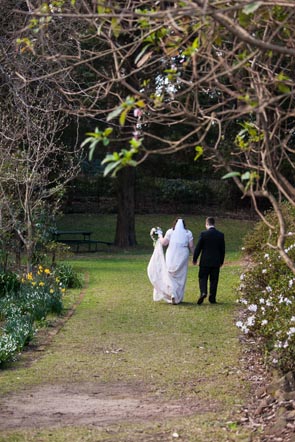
column 198, row 250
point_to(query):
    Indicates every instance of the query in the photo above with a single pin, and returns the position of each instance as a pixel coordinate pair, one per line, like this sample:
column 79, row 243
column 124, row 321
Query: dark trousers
column 211, row 273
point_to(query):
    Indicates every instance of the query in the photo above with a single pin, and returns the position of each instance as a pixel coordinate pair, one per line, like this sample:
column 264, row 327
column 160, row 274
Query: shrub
column 38, row 295
column 9, row 282
column 267, row 295
column 67, row 276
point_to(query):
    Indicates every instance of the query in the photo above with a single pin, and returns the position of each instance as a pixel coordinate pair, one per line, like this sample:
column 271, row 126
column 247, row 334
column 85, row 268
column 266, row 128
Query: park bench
column 78, row 239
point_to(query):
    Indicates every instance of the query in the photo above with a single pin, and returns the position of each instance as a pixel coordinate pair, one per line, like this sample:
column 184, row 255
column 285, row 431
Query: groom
column 211, row 246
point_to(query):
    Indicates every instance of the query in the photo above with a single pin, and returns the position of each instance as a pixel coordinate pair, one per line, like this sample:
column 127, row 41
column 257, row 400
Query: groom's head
column 210, row 222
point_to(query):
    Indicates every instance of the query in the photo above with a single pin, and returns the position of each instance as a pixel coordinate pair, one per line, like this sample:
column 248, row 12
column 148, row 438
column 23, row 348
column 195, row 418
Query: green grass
column 103, row 228
column 119, row 335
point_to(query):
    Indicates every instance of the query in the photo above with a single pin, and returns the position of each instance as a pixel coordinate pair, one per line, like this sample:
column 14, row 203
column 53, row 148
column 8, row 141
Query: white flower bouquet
column 154, row 233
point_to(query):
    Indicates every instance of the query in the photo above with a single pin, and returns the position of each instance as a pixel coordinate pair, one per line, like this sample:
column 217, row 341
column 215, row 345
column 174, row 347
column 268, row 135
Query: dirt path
column 89, row 370
column 88, row 404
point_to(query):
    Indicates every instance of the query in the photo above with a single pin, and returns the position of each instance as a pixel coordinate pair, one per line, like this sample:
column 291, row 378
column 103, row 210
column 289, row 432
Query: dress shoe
column 201, row 299
column 212, row 300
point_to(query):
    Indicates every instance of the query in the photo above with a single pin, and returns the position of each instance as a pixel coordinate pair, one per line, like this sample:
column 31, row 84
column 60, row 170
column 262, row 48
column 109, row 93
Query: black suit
column 211, row 246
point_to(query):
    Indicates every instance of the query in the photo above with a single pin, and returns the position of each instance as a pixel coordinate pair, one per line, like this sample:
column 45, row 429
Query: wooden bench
column 92, row 244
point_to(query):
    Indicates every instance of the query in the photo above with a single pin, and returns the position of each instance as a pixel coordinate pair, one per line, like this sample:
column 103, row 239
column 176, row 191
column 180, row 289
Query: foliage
column 145, row 69
column 36, row 296
column 268, row 296
column 54, row 250
column 9, row 282
column 68, row 276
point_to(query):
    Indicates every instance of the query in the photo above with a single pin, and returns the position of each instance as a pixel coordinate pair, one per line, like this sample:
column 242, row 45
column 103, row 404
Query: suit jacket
column 211, row 245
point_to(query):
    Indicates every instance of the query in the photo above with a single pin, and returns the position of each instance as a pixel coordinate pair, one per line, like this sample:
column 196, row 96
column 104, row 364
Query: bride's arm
column 164, row 241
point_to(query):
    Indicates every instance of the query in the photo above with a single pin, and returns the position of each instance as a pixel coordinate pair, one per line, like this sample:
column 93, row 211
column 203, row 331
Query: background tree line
column 158, row 78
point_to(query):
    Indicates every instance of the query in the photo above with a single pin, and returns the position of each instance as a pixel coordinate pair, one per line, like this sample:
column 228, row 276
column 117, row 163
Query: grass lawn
column 103, row 228
column 185, row 355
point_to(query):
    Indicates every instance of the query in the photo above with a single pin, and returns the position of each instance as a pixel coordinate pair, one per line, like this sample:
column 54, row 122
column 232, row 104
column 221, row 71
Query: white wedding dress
column 168, row 276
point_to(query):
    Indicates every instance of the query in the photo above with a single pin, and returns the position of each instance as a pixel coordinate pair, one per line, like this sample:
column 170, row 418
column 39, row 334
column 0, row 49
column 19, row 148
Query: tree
column 35, row 165
column 209, row 66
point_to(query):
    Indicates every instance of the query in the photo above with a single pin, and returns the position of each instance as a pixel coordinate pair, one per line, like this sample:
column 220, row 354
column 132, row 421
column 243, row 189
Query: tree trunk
column 125, row 230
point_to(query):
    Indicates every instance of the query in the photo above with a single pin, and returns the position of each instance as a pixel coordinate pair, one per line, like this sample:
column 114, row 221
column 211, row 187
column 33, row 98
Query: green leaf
column 230, row 175
column 196, row 43
column 251, row 7
column 135, row 143
column 87, row 140
column 246, row 176
column 108, row 131
column 138, row 57
column 123, row 117
column 284, row 88
column 140, row 103
column 199, row 152
column 114, row 113
column 110, row 167
column 132, row 163
column 116, row 27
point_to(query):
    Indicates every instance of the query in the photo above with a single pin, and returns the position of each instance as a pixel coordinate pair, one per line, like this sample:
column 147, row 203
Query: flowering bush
column 267, row 293
column 38, row 295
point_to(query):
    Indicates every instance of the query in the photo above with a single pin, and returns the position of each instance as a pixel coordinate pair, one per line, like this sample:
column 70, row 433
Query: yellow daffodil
column 41, row 284
column 47, row 271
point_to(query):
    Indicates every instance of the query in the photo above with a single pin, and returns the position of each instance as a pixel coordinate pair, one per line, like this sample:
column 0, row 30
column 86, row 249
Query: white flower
column 264, row 271
column 242, row 277
column 243, row 301
column 264, row 322
column 251, row 321
column 262, row 300
column 291, row 282
column 268, row 288
column 252, row 308
column 291, row 331
column 290, row 248
column 292, row 319
column 239, row 324
column 266, row 256
column 275, row 361
column 282, row 300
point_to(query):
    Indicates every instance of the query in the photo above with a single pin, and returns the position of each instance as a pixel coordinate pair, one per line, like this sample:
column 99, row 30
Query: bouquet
column 154, row 233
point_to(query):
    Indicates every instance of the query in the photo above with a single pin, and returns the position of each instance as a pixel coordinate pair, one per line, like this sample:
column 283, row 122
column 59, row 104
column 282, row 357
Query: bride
column 168, row 273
